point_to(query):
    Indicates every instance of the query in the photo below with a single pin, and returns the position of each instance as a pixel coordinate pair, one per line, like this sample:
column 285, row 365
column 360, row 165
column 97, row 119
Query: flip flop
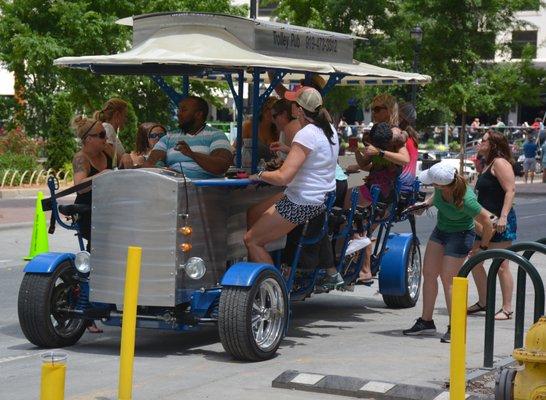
column 365, row 282
column 476, row 308
column 503, row 315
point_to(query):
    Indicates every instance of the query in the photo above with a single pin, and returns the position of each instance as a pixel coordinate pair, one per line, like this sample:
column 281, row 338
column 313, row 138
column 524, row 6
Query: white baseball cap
column 307, row 97
column 442, row 173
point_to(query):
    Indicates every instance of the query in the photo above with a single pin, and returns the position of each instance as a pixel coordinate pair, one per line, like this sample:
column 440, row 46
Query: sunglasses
column 101, row 134
column 153, row 135
column 376, row 109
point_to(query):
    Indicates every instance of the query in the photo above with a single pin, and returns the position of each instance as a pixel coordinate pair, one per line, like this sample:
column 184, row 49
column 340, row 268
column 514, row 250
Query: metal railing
column 20, row 178
column 525, row 268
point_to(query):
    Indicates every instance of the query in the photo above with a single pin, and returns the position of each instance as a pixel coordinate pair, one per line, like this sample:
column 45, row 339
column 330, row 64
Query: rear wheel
column 412, row 281
column 252, row 320
column 42, row 304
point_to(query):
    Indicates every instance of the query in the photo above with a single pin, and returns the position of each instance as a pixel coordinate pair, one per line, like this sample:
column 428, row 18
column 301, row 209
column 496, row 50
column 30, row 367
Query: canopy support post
column 257, row 102
column 332, row 81
column 238, row 99
column 173, row 95
column 185, row 86
column 277, row 79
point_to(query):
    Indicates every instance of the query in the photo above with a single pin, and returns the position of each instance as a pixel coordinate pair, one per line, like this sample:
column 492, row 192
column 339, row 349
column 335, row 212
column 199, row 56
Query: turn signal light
column 186, row 230
column 185, row 247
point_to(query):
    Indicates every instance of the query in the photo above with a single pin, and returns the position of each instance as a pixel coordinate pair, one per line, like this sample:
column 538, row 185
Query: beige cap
column 307, row 97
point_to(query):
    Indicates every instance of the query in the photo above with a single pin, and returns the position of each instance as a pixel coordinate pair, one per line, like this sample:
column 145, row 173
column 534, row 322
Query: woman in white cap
column 451, row 240
column 308, row 174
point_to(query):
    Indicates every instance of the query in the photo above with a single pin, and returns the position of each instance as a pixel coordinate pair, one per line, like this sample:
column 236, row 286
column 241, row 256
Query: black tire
column 504, row 385
column 39, row 297
column 236, row 315
column 412, row 279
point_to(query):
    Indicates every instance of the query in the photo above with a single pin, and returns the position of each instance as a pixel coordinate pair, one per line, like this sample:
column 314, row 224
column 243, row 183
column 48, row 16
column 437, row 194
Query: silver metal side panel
column 134, row 208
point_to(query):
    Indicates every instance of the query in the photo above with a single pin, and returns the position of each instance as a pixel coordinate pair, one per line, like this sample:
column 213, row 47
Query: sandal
column 503, row 315
column 476, row 308
column 93, row 328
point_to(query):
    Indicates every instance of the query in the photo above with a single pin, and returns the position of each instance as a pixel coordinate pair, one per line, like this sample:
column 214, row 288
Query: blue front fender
column 392, row 274
column 46, row 263
column 244, row 274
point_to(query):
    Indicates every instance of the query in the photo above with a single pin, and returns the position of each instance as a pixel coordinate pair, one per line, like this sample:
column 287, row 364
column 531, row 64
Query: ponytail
column 321, row 119
column 458, row 190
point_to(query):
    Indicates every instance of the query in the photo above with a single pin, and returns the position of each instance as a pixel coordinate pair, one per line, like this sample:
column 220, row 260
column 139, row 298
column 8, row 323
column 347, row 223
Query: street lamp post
column 416, row 34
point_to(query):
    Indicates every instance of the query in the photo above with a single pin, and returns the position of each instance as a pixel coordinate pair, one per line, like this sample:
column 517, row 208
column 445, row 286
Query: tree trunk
column 463, row 143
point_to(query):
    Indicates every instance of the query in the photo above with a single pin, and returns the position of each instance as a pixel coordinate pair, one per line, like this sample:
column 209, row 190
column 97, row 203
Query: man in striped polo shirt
column 199, row 151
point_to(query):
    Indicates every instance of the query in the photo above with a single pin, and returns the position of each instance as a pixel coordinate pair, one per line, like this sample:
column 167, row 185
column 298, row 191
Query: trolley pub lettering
column 313, row 43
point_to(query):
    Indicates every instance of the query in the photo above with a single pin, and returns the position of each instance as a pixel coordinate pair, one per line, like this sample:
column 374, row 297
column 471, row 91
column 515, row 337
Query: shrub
column 61, row 144
column 454, row 146
column 17, row 142
column 430, row 144
column 128, row 134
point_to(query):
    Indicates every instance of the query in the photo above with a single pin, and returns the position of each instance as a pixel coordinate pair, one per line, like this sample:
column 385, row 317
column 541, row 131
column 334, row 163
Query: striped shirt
column 206, row 141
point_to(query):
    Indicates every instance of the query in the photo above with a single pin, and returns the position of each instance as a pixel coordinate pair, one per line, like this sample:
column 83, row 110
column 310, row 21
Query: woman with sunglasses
column 90, row 161
column 148, row 134
column 450, row 241
column 496, row 189
column 267, row 133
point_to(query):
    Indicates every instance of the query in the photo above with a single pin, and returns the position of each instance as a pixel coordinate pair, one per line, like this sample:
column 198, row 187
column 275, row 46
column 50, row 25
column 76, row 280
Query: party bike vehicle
column 193, row 270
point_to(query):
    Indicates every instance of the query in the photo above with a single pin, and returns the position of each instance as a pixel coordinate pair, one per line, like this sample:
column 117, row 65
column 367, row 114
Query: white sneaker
column 357, row 244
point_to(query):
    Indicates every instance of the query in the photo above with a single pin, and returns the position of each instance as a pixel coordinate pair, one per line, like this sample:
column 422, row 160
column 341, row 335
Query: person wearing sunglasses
column 90, row 161
column 148, row 134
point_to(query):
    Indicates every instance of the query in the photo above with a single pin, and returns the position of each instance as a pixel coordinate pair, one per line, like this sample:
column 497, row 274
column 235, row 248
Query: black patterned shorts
column 296, row 213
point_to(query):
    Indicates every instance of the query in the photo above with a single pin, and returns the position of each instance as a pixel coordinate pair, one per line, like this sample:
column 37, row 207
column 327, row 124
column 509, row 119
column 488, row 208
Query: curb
column 16, row 225
column 360, row 388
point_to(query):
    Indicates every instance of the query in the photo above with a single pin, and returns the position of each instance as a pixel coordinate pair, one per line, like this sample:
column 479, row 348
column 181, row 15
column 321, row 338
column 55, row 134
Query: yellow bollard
column 459, row 300
column 53, row 374
column 130, row 302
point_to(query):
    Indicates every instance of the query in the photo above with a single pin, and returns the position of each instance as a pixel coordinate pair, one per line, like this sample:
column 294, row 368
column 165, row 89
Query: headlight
column 82, row 262
column 195, row 268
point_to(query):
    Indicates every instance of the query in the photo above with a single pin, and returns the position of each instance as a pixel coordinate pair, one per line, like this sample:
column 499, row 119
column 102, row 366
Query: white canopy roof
column 206, row 51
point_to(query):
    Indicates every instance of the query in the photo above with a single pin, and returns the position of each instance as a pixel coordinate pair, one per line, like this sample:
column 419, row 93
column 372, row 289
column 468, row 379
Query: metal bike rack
column 528, row 248
column 499, row 255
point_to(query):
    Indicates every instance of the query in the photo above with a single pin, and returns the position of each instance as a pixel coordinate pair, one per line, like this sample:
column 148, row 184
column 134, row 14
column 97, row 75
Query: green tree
column 35, row 32
column 61, row 143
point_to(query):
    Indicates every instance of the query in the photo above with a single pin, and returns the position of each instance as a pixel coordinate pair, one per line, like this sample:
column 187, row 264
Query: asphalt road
column 346, row 334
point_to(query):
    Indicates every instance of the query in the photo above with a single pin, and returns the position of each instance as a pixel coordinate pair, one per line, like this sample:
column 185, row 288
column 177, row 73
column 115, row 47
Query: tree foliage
column 35, row 32
column 458, row 44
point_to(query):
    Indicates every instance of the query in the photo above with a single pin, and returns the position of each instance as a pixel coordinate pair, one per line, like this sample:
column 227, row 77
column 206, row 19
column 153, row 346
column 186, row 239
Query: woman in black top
column 91, row 160
column 496, row 189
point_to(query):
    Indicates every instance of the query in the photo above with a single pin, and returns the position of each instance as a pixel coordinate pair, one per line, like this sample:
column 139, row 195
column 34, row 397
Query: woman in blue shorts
column 496, row 189
column 451, row 240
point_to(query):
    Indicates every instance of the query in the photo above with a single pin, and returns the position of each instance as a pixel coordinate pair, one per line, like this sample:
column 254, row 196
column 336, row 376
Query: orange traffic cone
column 38, row 242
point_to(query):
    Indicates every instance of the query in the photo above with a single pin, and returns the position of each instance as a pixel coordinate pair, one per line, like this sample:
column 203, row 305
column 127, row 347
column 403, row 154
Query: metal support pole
column 459, row 300
column 253, row 9
column 256, row 105
column 446, row 135
column 240, row 114
column 416, row 70
column 185, row 86
column 128, row 326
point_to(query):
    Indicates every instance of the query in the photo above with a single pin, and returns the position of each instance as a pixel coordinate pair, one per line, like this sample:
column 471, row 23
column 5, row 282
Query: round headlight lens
column 82, row 262
column 195, row 268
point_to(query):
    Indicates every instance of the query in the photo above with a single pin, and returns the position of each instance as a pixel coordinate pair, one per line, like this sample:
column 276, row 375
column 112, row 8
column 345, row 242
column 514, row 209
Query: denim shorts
column 456, row 244
column 509, row 234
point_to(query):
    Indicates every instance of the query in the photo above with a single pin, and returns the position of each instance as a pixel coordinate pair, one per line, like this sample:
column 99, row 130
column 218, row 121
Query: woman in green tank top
column 451, row 240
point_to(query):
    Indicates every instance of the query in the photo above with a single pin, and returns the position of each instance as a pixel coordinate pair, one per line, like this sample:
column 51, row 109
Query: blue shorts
column 509, row 234
column 456, row 244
